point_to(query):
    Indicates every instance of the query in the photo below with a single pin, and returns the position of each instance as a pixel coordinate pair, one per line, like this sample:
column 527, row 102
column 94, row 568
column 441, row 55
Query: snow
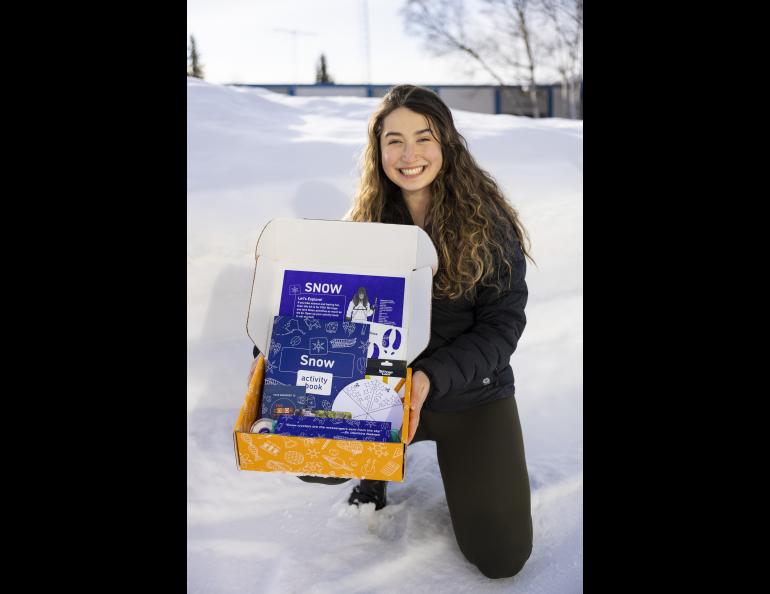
column 254, row 155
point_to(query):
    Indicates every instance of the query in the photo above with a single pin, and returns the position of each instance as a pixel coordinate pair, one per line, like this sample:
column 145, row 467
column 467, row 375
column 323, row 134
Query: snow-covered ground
column 253, row 155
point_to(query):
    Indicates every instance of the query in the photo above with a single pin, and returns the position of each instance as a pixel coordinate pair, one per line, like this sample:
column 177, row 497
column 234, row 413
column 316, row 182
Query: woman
column 417, row 171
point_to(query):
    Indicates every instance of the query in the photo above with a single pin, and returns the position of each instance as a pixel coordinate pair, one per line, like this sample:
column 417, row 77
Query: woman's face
column 411, row 157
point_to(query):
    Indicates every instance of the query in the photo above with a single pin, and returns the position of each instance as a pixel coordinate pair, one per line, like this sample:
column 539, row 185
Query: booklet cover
column 321, row 355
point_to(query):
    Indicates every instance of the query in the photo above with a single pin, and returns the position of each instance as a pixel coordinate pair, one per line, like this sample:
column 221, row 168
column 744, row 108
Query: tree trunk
column 530, row 57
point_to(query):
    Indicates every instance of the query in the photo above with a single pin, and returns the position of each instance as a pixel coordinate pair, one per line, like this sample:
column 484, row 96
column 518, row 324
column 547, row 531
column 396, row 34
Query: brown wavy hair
column 474, row 228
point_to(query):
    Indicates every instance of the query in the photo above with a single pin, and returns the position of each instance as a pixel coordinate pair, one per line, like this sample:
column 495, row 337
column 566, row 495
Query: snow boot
column 369, row 492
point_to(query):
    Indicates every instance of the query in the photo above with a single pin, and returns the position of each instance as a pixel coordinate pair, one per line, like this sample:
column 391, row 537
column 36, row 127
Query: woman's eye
column 394, row 141
column 424, row 140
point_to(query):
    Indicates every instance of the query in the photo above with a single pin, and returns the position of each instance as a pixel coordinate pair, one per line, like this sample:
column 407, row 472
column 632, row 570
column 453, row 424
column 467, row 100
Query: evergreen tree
column 321, row 75
column 194, row 66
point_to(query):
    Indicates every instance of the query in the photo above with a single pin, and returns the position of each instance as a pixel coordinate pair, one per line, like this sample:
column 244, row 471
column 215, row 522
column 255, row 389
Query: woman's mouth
column 412, row 172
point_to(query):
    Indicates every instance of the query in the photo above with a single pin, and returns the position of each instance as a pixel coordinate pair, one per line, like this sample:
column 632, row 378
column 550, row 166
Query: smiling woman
column 417, row 170
column 411, row 157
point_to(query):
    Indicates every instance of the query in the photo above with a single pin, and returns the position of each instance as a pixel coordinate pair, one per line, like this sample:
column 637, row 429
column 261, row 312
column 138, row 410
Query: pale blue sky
column 238, row 42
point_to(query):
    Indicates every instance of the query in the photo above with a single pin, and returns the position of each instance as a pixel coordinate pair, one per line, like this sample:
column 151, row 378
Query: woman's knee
column 503, row 564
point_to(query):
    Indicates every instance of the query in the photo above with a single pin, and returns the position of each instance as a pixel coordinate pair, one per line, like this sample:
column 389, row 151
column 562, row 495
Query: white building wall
column 468, row 99
column 330, row 91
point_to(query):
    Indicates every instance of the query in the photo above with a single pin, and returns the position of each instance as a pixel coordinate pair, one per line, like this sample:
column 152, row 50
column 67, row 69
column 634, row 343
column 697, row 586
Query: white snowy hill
column 254, row 155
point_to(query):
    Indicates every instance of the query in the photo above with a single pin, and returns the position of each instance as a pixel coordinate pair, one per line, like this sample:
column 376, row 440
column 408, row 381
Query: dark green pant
column 481, row 458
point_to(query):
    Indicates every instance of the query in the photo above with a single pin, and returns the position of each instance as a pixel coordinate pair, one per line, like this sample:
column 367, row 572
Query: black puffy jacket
column 471, row 343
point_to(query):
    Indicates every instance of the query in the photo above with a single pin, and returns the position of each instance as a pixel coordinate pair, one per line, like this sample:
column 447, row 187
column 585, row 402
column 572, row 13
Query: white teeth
column 414, row 171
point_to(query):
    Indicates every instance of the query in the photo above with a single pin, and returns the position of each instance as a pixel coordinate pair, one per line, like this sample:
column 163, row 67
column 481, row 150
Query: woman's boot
column 369, row 492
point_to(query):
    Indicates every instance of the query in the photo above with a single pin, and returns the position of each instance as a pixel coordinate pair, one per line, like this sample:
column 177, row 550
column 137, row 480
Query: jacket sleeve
column 477, row 354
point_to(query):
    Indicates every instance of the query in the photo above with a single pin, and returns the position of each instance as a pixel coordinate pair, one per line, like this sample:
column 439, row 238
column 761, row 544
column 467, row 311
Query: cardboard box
column 339, row 247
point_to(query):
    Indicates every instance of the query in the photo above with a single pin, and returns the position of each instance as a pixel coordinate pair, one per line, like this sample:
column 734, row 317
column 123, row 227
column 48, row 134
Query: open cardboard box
column 336, row 247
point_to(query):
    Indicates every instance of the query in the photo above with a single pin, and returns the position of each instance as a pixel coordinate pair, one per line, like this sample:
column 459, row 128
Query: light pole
column 294, row 33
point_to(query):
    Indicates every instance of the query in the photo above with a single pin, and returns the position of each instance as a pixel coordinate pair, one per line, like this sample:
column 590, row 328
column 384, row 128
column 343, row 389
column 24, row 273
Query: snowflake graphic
column 364, row 346
column 312, row 453
column 270, row 366
column 318, row 346
column 294, row 289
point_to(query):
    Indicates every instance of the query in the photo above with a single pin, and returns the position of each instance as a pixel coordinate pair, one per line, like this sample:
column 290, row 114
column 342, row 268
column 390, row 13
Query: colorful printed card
column 343, row 297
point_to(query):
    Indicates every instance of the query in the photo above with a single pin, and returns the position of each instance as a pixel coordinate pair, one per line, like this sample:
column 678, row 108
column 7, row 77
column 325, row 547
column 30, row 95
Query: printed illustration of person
column 359, row 309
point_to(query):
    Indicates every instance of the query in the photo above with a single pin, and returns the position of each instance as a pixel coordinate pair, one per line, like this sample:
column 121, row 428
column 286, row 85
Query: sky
column 245, row 41
column 252, row 156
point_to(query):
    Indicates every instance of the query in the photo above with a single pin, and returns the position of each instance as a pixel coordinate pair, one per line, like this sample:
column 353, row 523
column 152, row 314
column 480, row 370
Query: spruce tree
column 194, row 66
column 321, row 75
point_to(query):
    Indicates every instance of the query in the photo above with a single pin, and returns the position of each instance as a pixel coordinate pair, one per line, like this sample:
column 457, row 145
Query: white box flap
column 344, row 247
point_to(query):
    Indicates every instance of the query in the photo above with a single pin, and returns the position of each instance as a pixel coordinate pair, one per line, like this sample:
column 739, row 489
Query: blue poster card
column 324, row 356
column 333, row 428
column 343, row 297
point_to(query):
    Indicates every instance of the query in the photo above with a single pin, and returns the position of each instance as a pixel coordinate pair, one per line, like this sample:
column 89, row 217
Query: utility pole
column 365, row 33
column 294, row 33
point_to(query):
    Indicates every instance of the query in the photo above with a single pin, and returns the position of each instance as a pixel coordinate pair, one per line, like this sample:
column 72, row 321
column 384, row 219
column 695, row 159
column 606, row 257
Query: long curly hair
column 474, row 228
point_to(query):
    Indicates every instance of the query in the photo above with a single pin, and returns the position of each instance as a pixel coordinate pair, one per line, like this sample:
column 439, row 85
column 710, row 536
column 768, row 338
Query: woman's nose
column 410, row 152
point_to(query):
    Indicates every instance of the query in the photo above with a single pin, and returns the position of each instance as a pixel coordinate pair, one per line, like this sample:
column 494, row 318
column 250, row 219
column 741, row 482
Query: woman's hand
column 420, row 389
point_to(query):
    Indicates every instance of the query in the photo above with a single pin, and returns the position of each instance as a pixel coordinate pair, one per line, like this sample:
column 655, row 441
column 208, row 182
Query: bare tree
column 194, row 66
column 518, row 26
column 441, row 22
column 566, row 18
column 514, row 41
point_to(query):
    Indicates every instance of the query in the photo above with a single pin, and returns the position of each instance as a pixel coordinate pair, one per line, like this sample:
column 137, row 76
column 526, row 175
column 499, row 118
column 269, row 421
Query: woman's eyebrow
column 399, row 133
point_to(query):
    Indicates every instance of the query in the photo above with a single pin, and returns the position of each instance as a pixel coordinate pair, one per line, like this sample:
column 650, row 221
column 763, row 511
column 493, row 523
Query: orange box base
column 315, row 456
